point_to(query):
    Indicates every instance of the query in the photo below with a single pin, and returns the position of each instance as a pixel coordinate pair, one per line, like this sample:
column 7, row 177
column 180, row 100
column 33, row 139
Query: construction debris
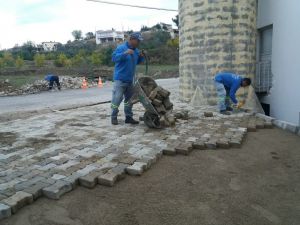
column 67, row 82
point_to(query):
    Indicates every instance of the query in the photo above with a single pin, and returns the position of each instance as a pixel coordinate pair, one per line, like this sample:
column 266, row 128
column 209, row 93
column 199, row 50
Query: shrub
column 62, row 61
column 39, row 60
column 19, row 62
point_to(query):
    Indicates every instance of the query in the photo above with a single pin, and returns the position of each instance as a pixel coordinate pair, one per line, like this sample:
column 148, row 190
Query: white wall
column 284, row 98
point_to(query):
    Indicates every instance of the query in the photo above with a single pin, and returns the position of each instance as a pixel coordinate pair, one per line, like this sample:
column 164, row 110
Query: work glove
column 240, row 104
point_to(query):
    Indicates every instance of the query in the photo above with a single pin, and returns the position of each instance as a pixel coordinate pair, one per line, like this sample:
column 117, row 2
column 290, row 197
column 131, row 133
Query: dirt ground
column 257, row 184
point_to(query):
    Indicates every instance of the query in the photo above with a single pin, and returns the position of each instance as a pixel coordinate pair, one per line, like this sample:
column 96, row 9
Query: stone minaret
column 215, row 36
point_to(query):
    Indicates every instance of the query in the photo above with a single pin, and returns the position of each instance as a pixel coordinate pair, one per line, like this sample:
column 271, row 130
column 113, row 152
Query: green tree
column 1, row 63
column 62, row 61
column 89, row 35
column 145, row 28
column 176, row 21
column 19, row 62
column 27, row 50
column 77, row 60
column 173, row 42
column 96, row 58
column 107, row 53
column 77, row 34
column 39, row 60
column 8, row 60
column 157, row 27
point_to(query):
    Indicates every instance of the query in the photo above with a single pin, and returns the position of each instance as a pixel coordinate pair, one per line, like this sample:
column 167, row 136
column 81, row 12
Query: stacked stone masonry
column 215, row 36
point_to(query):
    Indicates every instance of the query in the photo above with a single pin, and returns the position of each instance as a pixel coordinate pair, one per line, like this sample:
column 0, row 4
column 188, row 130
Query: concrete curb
column 290, row 127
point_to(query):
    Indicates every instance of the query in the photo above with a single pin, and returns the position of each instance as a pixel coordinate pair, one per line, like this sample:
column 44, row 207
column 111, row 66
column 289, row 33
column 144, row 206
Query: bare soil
column 257, row 184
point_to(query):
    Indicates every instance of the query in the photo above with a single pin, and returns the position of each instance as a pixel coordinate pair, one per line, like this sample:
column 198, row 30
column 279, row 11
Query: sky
column 54, row 20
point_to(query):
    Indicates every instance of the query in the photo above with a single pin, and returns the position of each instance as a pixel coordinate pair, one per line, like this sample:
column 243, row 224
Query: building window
column 263, row 79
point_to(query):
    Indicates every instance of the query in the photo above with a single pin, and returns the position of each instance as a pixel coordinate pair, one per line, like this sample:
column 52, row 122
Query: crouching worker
column 52, row 79
column 227, row 85
column 125, row 57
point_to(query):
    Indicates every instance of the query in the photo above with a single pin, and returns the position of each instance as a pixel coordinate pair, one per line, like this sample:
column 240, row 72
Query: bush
column 8, row 60
column 96, row 58
column 19, row 62
column 62, row 61
column 77, row 60
column 173, row 42
column 39, row 60
column 1, row 63
column 107, row 55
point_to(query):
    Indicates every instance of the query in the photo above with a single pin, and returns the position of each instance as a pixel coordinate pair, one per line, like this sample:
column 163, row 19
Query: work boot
column 228, row 108
column 131, row 121
column 114, row 121
column 224, row 112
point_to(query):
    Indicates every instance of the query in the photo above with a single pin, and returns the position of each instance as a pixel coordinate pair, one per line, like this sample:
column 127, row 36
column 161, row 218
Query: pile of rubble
column 5, row 87
column 66, row 82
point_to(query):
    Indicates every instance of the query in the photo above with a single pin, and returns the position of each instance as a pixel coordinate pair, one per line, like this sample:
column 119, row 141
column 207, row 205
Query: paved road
column 64, row 99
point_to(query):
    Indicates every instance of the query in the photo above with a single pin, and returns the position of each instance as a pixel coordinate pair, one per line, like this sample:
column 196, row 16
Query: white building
column 109, row 36
column 278, row 70
column 49, row 46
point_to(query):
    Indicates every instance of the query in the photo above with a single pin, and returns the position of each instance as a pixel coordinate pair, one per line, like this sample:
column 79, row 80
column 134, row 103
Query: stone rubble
column 67, row 82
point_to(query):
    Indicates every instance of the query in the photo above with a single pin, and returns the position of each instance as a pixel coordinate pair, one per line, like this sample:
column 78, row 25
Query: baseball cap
column 137, row 35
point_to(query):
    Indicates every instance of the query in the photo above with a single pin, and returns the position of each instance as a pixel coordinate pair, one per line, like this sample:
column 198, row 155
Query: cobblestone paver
column 50, row 154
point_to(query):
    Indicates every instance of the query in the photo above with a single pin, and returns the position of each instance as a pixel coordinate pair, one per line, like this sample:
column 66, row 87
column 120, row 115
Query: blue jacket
column 231, row 82
column 125, row 64
column 50, row 77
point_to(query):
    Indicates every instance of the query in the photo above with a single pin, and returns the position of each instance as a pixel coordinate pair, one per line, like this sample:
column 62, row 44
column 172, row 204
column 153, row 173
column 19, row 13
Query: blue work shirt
column 125, row 64
column 231, row 82
column 50, row 77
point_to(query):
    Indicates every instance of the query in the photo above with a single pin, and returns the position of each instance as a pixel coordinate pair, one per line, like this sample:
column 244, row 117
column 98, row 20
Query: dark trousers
column 54, row 79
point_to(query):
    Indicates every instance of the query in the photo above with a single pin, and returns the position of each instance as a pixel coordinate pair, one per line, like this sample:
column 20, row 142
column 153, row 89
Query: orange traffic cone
column 100, row 84
column 84, row 84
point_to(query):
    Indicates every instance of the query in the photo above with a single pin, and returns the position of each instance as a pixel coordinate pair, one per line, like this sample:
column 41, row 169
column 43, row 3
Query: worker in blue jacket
column 125, row 57
column 52, row 79
column 227, row 85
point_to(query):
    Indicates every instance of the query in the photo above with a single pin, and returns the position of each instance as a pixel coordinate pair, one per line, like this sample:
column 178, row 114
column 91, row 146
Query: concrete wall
column 284, row 98
column 215, row 35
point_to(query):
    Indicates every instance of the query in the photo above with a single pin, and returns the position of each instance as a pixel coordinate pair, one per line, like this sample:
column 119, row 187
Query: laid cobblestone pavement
column 50, row 154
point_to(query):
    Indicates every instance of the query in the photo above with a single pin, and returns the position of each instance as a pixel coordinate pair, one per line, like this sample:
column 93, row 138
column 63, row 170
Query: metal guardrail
column 263, row 78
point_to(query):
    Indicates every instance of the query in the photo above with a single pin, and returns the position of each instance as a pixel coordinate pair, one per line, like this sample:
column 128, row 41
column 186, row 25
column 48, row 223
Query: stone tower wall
column 215, row 36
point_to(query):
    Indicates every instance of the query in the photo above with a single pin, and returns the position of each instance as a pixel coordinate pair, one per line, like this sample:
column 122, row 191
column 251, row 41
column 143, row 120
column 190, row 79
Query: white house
column 49, row 46
column 109, row 36
column 278, row 47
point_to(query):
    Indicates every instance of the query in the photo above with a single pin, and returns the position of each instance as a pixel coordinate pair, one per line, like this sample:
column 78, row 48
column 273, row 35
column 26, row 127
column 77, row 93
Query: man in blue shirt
column 52, row 79
column 125, row 57
column 227, row 85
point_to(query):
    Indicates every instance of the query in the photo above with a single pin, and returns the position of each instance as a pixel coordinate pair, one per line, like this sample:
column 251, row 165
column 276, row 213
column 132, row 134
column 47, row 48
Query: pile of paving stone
column 66, row 82
column 160, row 99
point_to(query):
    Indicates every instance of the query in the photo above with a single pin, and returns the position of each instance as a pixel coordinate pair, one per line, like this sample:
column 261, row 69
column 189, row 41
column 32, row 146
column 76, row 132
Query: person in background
column 126, row 57
column 227, row 85
column 52, row 79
